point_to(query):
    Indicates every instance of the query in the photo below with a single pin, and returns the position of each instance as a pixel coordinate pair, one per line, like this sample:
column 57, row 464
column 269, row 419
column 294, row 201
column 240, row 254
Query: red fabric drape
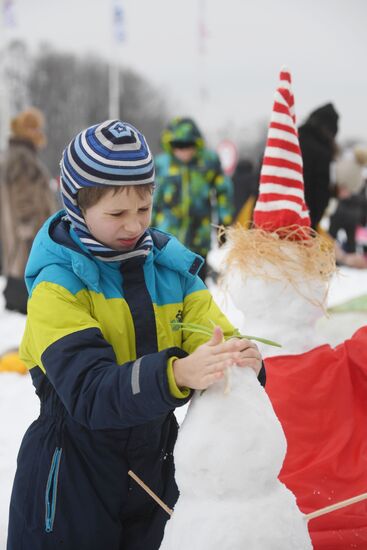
column 320, row 397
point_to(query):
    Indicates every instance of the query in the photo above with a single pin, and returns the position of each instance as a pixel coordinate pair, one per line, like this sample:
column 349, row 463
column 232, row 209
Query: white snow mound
column 228, row 455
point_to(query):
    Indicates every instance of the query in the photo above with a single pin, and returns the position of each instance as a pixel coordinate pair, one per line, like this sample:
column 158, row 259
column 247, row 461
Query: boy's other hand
column 207, row 363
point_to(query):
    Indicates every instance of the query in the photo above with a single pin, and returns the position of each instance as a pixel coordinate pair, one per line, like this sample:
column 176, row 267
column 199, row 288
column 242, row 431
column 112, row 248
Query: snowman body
column 228, row 455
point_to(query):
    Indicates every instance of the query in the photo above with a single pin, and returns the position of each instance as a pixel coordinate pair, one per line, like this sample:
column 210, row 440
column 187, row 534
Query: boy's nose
column 132, row 227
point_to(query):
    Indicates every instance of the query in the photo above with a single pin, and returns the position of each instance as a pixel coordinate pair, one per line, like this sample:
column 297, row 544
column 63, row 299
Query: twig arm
column 335, row 506
column 150, row 492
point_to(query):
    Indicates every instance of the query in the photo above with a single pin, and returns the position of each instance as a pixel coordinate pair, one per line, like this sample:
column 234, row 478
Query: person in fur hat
column 26, row 201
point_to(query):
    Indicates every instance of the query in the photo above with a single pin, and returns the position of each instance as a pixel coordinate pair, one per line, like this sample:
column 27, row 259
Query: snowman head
column 305, row 264
column 270, row 277
column 296, row 267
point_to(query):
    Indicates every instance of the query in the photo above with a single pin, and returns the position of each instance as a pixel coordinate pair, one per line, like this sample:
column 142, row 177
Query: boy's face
column 185, row 155
column 119, row 220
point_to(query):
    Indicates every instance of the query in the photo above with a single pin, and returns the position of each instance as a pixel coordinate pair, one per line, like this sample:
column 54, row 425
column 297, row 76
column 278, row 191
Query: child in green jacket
column 192, row 192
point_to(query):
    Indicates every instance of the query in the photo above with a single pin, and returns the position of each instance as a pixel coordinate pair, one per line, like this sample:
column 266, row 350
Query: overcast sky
column 245, row 43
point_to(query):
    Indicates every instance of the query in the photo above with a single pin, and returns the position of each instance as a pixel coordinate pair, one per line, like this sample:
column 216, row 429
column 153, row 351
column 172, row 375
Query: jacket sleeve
column 68, row 344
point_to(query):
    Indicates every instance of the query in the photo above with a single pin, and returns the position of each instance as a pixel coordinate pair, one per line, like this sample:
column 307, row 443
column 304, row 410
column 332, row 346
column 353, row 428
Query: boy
column 107, row 367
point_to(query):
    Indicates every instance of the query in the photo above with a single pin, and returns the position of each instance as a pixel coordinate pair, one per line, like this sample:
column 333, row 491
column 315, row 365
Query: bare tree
column 73, row 94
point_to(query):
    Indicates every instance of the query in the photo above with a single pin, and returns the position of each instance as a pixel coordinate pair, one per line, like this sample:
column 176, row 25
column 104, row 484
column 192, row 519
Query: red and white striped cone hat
column 281, row 201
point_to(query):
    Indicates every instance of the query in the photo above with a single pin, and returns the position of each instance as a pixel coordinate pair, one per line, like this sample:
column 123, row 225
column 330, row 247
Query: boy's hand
column 207, row 363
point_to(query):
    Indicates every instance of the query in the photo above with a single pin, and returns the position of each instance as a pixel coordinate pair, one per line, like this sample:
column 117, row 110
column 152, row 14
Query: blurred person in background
column 317, row 141
column 192, row 190
column 319, row 149
column 246, row 188
column 351, row 207
column 26, row 201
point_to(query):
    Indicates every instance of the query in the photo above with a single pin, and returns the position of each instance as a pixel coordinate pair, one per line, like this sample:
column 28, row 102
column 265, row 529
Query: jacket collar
column 56, row 243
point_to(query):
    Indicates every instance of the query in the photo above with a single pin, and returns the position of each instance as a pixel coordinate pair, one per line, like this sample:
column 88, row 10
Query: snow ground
column 19, row 405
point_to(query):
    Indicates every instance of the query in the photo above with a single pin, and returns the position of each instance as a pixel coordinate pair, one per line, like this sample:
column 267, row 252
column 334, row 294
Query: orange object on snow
column 10, row 362
column 320, row 397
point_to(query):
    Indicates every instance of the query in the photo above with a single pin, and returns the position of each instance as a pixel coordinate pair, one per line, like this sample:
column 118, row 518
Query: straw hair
column 295, row 260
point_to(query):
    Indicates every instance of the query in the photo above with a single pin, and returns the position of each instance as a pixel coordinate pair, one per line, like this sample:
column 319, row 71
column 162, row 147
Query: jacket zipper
column 51, row 490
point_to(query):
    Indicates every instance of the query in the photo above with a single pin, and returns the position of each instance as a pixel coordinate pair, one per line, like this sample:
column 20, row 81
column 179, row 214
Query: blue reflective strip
column 51, row 490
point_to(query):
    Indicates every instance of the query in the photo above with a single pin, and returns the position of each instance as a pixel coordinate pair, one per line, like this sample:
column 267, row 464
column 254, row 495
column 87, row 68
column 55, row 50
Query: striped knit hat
column 281, row 201
column 110, row 153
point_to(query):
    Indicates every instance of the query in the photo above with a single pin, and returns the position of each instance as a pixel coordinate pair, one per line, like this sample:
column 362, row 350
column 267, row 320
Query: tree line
column 73, row 94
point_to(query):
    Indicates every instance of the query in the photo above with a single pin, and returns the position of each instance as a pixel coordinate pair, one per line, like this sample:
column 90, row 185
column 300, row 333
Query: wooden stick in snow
column 335, row 506
column 150, row 492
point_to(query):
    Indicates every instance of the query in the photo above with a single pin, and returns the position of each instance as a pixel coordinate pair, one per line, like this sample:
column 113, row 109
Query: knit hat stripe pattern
column 281, row 201
column 93, row 164
column 111, row 153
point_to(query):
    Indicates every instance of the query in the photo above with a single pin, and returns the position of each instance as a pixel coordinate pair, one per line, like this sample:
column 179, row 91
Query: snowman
column 228, row 455
column 278, row 274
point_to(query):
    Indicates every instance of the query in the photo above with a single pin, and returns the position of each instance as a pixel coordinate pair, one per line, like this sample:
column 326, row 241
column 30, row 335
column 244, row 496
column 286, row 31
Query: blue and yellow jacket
column 99, row 345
